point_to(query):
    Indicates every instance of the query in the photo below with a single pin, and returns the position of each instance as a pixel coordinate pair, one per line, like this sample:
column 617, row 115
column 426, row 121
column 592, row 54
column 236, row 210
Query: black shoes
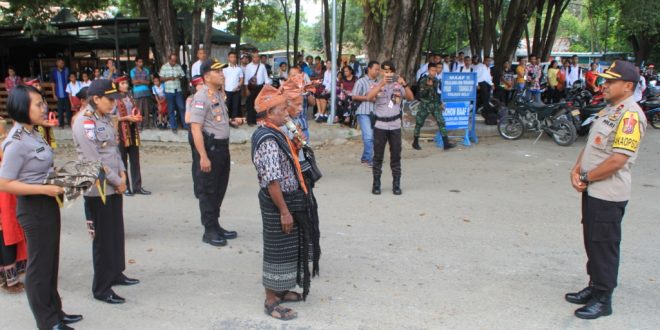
column 126, row 281
column 599, row 305
column 415, row 144
column 113, row 298
column 128, row 193
column 228, row 234
column 214, row 238
column 396, row 186
column 582, row 297
column 61, row 326
column 375, row 189
column 141, row 191
column 68, row 319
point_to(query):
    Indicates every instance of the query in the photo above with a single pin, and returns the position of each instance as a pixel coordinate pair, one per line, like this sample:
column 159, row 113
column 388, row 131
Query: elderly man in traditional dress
column 284, row 202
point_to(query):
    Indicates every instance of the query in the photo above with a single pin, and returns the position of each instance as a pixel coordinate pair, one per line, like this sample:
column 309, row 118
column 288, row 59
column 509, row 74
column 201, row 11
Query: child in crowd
column 161, row 103
column 85, row 80
column 72, row 88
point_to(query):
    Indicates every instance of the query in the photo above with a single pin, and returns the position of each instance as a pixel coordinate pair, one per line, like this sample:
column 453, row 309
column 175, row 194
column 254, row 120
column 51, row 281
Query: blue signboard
column 459, row 94
column 457, row 115
column 459, row 86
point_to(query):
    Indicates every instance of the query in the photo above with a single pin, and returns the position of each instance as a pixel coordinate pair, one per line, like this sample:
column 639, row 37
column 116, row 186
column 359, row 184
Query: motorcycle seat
column 541, row 106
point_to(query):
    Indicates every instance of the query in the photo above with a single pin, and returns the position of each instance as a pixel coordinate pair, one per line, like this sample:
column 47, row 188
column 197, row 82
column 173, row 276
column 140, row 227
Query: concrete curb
column 333, row 134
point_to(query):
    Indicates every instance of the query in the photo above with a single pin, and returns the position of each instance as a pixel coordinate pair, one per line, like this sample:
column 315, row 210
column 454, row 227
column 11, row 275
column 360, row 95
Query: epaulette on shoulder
column 18, row 135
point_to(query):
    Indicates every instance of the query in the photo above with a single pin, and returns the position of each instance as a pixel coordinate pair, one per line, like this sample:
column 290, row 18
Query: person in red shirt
column 590, row 77
column 12, row 80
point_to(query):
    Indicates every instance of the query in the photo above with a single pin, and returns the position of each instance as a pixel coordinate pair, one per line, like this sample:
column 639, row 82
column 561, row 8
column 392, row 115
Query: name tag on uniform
column 40, row 149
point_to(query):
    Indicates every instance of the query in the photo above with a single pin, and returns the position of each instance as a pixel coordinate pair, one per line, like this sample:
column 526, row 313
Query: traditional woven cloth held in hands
column 77, row 177
column 290, row 95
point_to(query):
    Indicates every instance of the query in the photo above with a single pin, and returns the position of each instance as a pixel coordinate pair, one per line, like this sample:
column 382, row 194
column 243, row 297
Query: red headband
column 120, row 79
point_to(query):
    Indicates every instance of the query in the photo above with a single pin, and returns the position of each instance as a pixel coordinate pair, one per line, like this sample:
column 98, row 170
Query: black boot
column 415, row 144
column 599, row 305
column 396, row 186
column 446, row 144
column 581, row 297
column 375, row 189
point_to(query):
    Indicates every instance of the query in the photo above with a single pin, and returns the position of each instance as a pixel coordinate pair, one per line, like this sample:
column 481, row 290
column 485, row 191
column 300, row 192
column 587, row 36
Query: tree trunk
column 287, row 19
column 474, row 18
column 145, row 40
column 196, row 24
column 326, row 30
column 341, row 28
column 163, row 25
column 208, row 28
column 545, row 28
column 296, row 28
column 515, row 22
column 397, row 33
column 238, row 7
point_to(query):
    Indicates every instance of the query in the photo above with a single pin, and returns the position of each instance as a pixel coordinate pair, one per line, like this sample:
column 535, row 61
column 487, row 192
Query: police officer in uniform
column 210, row 132
column 388, row 95
column 602, row 174
column 27, row 161
column 95, row 139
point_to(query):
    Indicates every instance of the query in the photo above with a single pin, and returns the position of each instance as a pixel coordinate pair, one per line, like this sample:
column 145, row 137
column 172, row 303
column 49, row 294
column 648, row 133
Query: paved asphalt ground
column 486, row 237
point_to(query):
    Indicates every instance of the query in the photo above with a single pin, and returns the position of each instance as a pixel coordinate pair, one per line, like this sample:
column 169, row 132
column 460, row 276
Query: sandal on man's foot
column 279, row 312
column 290, row 296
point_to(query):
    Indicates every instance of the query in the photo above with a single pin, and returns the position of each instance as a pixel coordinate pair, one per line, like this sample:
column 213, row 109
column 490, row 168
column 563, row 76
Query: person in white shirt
column 85, row 80
column 574, row 72
column 641, row 87
column 466, row 66
column 201, row 57
column 324, row 94
column 459, row 64
column 233, row 82
column 446, row 63
column 254, row 78
column 284, row 71
column 424, row 68
column 484, row 82
column 72, row 88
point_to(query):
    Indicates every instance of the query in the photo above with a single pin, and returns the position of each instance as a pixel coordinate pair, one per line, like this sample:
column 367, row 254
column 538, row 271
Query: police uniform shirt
column 388, row 104
column 619, row 129
column 96, row 139
column 27, row 156
column 209, row 110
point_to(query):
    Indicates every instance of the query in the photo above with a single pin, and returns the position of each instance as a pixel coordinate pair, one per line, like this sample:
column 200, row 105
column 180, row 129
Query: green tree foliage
column 263, row 23
column 35, row 15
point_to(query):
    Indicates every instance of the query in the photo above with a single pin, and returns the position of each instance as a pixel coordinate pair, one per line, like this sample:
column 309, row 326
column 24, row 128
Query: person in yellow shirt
column 553, row 71
column 521, row 74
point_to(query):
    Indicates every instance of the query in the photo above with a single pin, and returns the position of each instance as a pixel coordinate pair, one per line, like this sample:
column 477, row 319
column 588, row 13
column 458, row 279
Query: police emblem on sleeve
column 199, row 105
column 90, row 129
column 628, row 134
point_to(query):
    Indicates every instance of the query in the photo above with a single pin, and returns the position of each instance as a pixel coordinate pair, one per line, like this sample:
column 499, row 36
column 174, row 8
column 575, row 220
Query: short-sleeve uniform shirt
column 388, row 104
column 27, row 156
column 209, row 109
column 619, row 129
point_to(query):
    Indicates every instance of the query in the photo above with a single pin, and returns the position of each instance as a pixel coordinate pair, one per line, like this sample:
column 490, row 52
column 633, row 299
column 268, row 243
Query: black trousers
column 393, row 137
column 108, row 246
column 484, row 95
column 39, row 216
column 195, row 161
column 251, row 112
column 131, row 156
column 601, row 224
column 210, row 187
column 64, row 108
column 7, row 253
column 234, row 103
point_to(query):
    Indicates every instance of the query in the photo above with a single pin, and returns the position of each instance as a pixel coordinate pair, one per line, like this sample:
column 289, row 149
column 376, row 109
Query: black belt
column 219, row 142
column 388, row 119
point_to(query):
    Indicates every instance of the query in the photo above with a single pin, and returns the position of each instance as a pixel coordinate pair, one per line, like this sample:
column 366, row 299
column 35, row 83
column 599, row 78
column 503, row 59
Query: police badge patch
column 90, row 129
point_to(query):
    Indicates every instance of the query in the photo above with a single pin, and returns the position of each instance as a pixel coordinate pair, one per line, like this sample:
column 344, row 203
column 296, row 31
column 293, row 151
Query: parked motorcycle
column 552, row 119
column 587, row 104
column 651, row 108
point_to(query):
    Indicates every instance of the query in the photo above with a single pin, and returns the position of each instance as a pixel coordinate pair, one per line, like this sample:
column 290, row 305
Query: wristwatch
column 583, row 177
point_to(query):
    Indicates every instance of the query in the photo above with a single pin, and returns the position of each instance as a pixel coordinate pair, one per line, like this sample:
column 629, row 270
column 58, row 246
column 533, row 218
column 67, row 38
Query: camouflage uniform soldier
column 430, row 104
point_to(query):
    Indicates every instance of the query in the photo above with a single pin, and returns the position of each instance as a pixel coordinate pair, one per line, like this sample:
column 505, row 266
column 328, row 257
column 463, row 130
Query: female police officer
column 95, row 140
column 28, row 160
